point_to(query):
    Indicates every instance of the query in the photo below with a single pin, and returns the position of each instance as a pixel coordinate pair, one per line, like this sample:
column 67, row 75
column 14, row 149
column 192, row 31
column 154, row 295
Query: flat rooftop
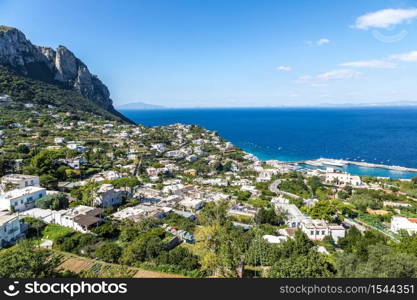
column 15, row 178
column 21, row 192
column 19, row 176
column 6, row 217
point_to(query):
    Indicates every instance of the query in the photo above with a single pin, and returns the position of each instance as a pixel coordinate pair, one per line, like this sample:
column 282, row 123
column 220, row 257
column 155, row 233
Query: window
column 312, row 232
column 30, row 199
column 317, row 232
column 40, row 196
column 323, row 232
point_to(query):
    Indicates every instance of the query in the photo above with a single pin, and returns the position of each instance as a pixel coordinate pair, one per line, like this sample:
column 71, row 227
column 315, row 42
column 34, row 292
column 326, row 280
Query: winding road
column 274, row 188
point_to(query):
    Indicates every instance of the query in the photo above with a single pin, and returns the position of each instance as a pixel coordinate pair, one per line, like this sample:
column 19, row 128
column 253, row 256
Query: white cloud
column 319, row 42
column 323, row 41
column 284, row 68
column 388, row 62
column 405, row 57
column 373, row 64
column 385, row 18
column 341, row 74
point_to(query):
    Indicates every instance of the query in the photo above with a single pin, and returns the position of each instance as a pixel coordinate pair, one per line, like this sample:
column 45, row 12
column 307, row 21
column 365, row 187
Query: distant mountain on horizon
column 146, row 106
column 138, row 106
column 376, row 104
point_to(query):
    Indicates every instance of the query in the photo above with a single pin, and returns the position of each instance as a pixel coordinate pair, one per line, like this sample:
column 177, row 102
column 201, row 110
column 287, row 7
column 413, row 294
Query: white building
column 158, row 147
column 193, row 204
column 243, row 210
column 140, row 212
column 77, row 147
column 402, row 223
column 74, row 163
column 107, row 195
column 273, row 239
column 342, row 179
column 318, row 229
column 177, row 154
column 266, row 175
column 10, row 228
column 191, row 158
column 294, row 215
column 20, row 181
column 59, row 140
column 21, row 199
column 105, row 175
column 251, row 189
column 81, row 218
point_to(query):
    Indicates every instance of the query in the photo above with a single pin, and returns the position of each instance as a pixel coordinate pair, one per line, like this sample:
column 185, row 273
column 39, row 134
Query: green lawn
column 53, row 232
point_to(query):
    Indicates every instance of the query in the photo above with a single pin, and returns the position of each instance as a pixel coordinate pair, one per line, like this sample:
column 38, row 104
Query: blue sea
column 375, row 135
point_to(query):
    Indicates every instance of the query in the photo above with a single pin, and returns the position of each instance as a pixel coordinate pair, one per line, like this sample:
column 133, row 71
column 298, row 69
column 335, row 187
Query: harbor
column 360, row 168
column 341, row 163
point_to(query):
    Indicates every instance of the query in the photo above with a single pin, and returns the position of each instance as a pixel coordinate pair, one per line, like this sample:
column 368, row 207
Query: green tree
column 243, row 195
column 109, row 252
column 54, row 201
column 126, row 182
column 48, row 181
column 214, row 213
column 382, row 262
column 407, row 244
column 315, row 183
column 311, row 265
column 107, row 230
column 323, row 210
column 180, row 257
column 269, row 216
column 147, row 246
column 23, row 261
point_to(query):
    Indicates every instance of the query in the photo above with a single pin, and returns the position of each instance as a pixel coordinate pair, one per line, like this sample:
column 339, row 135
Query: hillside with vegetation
column 23, row 90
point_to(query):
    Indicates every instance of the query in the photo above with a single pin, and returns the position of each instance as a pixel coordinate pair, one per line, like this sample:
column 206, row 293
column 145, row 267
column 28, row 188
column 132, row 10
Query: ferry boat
column 333, row 162
column 313, row 163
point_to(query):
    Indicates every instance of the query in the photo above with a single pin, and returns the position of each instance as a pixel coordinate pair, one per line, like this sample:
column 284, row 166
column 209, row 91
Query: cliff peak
column 59, row 66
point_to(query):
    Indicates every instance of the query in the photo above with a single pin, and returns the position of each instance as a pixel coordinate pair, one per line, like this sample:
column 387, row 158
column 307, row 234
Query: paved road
column 274, row 188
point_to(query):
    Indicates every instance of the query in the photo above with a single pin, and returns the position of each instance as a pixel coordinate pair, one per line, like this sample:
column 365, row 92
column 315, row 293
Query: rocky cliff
column 58, row 66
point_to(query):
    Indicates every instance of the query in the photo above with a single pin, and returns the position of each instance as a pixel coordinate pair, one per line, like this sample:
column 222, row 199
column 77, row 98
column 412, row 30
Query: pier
column 339, row 163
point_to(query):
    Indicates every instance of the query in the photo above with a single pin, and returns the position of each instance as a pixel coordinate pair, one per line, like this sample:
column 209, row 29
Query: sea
column 376, row 135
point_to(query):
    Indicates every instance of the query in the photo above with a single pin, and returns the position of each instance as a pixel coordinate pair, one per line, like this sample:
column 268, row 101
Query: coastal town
column 85, row 192
column 109, row 190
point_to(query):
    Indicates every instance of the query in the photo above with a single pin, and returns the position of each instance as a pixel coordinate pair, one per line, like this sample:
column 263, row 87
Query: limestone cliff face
column 47, row 64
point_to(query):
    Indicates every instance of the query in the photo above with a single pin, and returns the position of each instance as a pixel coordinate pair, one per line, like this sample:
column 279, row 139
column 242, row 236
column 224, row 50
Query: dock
column 328, row 162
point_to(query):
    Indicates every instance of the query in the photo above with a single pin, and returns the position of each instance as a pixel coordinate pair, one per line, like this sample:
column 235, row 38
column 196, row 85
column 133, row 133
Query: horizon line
column 275, row 107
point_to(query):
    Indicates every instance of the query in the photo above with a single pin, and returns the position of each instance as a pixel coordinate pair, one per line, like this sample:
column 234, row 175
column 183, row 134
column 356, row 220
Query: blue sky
column 187, row 53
